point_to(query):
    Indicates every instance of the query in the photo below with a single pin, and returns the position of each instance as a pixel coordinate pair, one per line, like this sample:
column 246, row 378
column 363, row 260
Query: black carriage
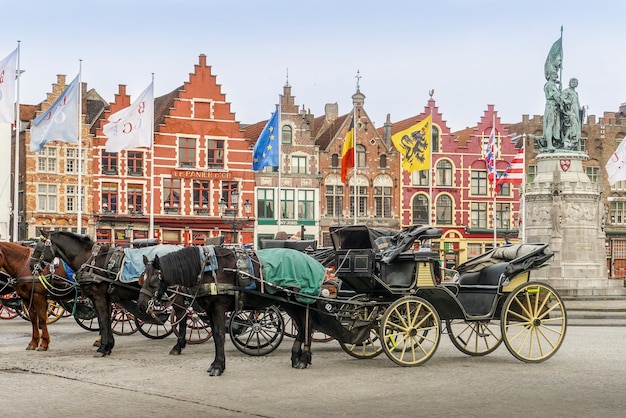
column 402, row 290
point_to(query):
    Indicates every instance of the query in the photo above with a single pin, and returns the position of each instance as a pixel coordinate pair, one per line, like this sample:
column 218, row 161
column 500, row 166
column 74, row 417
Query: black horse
column 92, row 264
column 226, row 286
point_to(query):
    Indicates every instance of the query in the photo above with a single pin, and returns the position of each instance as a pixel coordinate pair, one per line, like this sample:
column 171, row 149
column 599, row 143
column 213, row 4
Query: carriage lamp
column 229, row 214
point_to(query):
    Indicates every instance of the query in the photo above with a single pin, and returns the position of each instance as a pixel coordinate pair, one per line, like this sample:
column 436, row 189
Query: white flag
column 616, row 166
column 59, row 122
column 131, row 127
column 8, row 72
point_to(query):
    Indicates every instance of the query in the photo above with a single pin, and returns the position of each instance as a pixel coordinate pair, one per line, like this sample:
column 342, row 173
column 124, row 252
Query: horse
column 35, row 282
column 224, row 283
column 93, row 263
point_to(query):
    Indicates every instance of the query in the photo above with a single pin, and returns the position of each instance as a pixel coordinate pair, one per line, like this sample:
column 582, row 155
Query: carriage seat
column 487, row 276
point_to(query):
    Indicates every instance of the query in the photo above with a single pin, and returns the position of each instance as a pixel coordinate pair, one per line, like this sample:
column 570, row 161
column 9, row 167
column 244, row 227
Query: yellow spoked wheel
column 474, row 338
column 533, row 322
column 372, row 346
column 55, row 311
column 410, row 330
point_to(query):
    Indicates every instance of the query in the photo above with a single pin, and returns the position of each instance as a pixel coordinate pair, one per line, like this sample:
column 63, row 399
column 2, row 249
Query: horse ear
column 146, row 260
column 155, row 263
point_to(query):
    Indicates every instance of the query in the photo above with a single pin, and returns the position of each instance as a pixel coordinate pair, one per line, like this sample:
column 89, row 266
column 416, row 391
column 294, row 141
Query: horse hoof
column 30, row 347
column 215, row 371
column 42, row 348
column 174, row 352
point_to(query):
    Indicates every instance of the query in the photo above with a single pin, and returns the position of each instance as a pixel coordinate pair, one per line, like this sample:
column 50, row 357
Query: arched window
column 443, row 175
column 383, row 161
column 420, row 210
column 360, row 156
column 286, row 135
column 444, row 210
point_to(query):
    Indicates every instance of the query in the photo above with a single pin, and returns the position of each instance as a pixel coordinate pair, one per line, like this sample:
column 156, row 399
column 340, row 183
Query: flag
column 554, row 60
column 414, row 144
column 59, row 122
column 514, row 173
column 616, row 166
column 491, row 151
column 265, row 151
column 131, row 127
column 8, row 72
column 347, row 152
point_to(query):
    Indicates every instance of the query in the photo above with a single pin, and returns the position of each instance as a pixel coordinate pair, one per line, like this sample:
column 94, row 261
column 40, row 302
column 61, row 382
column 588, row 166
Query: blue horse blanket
column 132, row 265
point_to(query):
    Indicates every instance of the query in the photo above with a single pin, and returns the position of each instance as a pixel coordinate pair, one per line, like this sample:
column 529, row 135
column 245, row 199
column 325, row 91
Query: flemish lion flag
column 414, row 144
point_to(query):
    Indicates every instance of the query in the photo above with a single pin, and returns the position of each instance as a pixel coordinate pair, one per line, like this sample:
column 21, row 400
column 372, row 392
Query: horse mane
column 181, row 267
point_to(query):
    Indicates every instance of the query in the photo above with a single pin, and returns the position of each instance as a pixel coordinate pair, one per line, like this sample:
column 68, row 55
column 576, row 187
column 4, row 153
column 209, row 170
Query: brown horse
column 35, row 282
column 224, row 286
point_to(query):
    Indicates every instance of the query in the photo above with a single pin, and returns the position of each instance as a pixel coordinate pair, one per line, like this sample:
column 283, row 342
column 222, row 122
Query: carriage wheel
column 5, row 311
column 122, row 321
column 410, row 329
column 154, row 330
column 372, row 346
column 198, row 329
column 84, row 313
column 474, row 338
column 533, row 322
column 90, row 324
column 291, row 330
column 55, row 311
column 257, row 332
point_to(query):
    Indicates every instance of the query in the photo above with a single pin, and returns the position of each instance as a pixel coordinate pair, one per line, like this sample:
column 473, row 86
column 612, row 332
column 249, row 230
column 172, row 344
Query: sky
column 472, row 53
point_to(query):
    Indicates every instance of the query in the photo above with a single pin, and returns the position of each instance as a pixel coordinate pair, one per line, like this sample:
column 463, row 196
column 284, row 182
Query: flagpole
column 493, row 183
column 151, row 222
column 523, row 214
column 16, row 175
column 80, row 151
column 280, row 139
column 430, row 168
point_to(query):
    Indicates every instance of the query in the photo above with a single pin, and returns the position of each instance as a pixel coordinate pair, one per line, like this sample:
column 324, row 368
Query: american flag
column 491, row 150
column 514, row 173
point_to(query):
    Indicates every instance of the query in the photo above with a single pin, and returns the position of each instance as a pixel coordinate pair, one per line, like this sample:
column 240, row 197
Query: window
column 443, row 174
column 532, row 172
column 334, row 160
column 583, row 144
column 420, row 210
column 134, row 194
column 478, row 213
column 474, row 250
column 382, row 202
column 435, row 135
column 228, row 187
column 215, row 153
column 503, row 215
column 72, row 161
column 109, row 197
column 71, row 199
column 444, row 210
column 306, row 204
column 479, row 183
column 286, row 135
column 109, row 162
column 593, row 173
column 135, row 163
column 420, row 178
column 265, row 203
column 287, row 203
column 298, row 165
column 503, row 189
column 334, row 200
column 383, row 161
column 171, row 195
column 186, row 152
column 201, row 193
column 361, row 199
column 47, row 197
column 47, row 160
column 361, row 160
column 617, row 212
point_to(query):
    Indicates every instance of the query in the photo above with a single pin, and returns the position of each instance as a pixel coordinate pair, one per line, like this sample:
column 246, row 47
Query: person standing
column 572, row 116
column 551, row 116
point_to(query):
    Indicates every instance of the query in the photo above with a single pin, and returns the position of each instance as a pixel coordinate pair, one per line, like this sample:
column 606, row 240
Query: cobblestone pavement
column 584, row 378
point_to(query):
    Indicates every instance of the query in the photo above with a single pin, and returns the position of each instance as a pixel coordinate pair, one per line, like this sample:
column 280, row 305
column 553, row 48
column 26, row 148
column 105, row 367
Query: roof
column 163, row 104
column 327, row 132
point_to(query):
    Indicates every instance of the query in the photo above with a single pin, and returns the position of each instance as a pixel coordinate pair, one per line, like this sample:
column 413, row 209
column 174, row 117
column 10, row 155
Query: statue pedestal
column 564, row 208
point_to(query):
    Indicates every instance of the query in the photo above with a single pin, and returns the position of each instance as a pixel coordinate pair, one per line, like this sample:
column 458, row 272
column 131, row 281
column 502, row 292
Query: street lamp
column 229, row 214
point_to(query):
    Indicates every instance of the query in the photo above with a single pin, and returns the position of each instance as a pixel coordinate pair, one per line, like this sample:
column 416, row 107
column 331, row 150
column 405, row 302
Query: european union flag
column 266, row 148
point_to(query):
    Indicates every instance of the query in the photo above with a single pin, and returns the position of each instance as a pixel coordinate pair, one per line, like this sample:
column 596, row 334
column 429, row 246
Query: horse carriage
column 398, row 297
column 490, row 300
